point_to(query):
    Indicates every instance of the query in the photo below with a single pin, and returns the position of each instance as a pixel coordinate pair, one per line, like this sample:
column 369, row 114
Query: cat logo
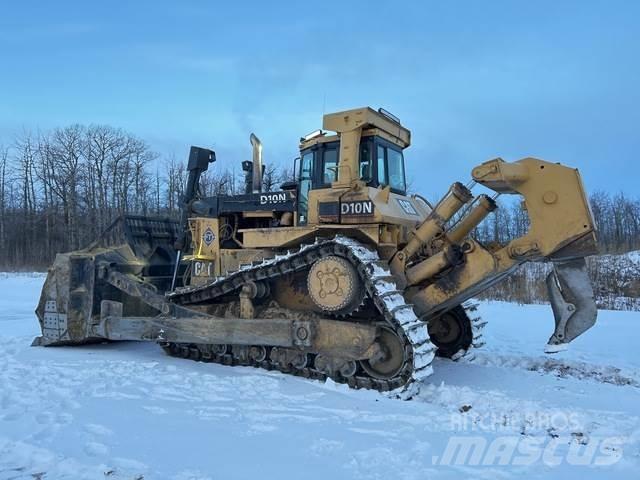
column 203, row 269
column 208, row 237
column 407, row 206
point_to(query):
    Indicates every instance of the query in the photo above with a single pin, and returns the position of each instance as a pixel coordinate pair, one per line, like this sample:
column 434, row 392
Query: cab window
column 390, row 168
column 329, row 166
column 395, row 170
column 382, row 167
column 306, row 175
column 365, row 162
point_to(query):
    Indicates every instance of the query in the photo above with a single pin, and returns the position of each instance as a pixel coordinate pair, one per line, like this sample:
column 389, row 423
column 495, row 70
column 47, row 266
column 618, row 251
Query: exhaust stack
column 257, row 164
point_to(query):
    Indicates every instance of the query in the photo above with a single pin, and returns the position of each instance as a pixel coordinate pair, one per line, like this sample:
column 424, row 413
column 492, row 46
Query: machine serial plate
column 362, row 207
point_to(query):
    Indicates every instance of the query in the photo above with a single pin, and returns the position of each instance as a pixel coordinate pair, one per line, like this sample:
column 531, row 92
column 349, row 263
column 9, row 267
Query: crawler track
column 394, row 313
column 477, row 332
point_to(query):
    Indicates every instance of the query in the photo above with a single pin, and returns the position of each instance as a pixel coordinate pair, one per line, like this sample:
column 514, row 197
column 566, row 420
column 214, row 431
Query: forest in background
column 60, row 189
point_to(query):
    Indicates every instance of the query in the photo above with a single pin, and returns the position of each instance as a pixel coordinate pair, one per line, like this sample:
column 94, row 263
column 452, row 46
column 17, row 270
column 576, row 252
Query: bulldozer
column 340, row 274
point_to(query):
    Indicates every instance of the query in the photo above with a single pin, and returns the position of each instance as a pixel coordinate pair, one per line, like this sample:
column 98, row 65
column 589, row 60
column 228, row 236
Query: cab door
column 307, row 169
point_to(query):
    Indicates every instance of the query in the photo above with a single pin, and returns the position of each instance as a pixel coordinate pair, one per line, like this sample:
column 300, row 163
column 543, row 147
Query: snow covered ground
column 127, row 411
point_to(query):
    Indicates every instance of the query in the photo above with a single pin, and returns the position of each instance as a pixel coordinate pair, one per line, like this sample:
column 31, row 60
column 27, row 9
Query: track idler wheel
column 451, row 332
column 389, row 361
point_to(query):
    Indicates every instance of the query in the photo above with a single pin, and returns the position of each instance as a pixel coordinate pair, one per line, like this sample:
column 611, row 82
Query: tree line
column 615, row 279
column 615, row 275
column 61, row 188
column 617, row 219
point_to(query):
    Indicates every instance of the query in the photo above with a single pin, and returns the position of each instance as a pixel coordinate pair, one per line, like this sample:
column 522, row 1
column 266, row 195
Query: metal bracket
column 247, row 309
column 302, row 333
column 562, row 308
column 134, row 288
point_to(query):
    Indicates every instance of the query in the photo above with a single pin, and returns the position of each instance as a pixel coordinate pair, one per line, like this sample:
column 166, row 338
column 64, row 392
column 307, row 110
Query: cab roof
column 373, row 123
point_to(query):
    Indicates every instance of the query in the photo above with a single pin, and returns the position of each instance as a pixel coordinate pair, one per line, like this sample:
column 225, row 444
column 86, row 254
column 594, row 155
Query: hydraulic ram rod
column 457, row 196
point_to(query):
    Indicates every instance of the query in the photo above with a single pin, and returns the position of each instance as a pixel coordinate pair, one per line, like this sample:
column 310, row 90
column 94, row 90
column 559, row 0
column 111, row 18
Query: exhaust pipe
column 257, row 164
column 572, row 301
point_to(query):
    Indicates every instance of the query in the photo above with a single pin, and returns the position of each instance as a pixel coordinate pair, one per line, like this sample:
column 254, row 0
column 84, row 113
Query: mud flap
column 573, row 303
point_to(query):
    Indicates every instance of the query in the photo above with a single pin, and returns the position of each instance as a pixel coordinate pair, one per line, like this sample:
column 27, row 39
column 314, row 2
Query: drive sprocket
column 334, row 285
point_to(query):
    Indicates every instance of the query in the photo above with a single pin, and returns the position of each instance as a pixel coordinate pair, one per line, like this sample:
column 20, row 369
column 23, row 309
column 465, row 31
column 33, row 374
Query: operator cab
column 381, row 162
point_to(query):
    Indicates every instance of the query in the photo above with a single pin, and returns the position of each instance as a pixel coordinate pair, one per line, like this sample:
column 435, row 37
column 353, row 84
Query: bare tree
column 4, row 155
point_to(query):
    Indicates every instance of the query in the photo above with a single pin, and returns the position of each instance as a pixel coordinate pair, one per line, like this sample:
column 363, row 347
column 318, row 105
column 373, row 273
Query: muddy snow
column 127, row 411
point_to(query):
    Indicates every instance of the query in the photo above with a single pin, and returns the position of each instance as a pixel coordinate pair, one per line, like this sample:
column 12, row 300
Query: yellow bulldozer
column 340, row 274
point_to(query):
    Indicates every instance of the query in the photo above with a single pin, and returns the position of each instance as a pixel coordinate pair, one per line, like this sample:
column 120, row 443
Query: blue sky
column 472, row 80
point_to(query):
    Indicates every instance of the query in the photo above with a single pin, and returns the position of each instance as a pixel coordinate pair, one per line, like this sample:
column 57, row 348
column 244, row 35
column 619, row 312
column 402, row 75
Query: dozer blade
column 572, row 301
column 138, row 247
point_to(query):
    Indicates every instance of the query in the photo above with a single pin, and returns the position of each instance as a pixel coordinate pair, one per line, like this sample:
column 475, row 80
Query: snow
column 127, row 411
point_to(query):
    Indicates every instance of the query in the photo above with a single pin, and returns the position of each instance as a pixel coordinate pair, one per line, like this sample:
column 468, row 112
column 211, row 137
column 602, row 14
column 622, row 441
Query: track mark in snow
column 323, row 446
column 155, row 410
column 64, row 419
column 377, row 462
column 97, row 429
column 44, row 418
column 367, row 431
column 191, row 475
column 131, row 465
column 96, row 449
column 563, row 369
column 261, row 428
